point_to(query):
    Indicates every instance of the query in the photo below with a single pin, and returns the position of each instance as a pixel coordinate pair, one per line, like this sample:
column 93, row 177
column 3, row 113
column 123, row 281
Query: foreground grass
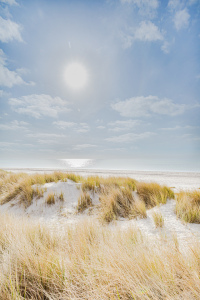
column 188, row 206
column 91, row 261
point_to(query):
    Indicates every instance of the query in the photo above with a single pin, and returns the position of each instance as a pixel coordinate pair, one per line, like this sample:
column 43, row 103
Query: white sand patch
column 173, row 228
column 54, row 215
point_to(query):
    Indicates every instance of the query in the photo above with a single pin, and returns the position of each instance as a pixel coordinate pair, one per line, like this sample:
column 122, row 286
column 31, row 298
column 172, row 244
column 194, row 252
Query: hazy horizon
column 117, row 82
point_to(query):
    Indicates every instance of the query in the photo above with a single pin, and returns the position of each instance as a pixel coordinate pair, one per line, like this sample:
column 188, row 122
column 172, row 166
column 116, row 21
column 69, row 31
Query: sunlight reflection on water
column 77, row 163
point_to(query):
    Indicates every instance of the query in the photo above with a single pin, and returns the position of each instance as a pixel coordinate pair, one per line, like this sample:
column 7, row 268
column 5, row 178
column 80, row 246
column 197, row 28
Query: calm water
column 175, row 165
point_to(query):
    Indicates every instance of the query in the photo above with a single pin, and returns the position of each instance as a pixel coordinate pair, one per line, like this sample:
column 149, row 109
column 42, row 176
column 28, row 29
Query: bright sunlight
column 76, row 76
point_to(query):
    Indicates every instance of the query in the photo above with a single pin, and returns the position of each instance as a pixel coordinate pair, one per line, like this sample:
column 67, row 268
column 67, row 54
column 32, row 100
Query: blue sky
column 141, row 100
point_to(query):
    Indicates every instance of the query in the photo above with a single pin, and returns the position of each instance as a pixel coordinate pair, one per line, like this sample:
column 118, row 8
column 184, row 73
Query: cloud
column 123, row 125
column 14, row 125
column 84, row 146
column 10, row 2
column 38, row 106
column 146, row 32
column 173, row 4
column 146, row 7
column 101, row 127
column 64, row 124
column 181, row 19
column 179, row 127
column 9, row 31
column 78, row 127
column 146, row 106
column 45, row 135
column 8, row 78
column 129, row 137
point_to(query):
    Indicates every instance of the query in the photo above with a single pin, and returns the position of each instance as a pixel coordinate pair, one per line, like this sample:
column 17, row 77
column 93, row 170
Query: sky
column 140, row 99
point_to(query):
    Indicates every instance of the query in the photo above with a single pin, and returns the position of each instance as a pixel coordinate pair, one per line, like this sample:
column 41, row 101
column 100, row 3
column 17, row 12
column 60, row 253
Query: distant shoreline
column 110, row 171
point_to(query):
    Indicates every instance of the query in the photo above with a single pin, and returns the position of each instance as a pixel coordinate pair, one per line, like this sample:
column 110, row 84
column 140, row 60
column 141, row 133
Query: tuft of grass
column 188, row 206
column 38, row 192
column 84, row 202
column 158, row 219
column 119, row 202
column 91, row 183
column 153, row 194
column 50, row 199
column 74, row 177
column 61, row 196
column 139, row 210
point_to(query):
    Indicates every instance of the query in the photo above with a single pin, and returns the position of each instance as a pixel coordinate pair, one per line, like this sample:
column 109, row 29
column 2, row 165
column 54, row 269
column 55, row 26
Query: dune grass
column 154, row 194
column 158, row 219
column 120, row 202
column 84, row 201
column 116, row 193
column 50, row 199
column 61, row 196
column 20, row 185
column 188, row 206
column 91, row 261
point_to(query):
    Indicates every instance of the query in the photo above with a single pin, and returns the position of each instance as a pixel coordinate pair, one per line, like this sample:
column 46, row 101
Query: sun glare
column 76, row 75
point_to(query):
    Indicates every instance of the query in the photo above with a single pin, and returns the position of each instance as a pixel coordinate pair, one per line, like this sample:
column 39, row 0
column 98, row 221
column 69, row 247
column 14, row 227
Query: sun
column 76, row 75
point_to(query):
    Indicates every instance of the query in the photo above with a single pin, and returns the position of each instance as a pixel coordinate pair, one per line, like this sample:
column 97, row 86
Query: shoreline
column 100, row 171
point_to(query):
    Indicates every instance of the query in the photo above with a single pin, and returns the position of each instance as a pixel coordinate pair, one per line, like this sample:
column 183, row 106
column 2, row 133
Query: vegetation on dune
column 61, row 196
column 188, row 206
column 158, row 219
column 120, row 202
column 153, row 194
column 50, row 199
column 84, row 201
column 21, row 185
column 91, row 261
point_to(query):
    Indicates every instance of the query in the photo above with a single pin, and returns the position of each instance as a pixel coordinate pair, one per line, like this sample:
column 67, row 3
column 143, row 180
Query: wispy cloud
column 145, row 32
column 147, row 106
column 179, row 128
column 181, row 19
column 38, row 106
column 84, row 146
column 9, row 2
column 45, row 135
column 129, row 137
column 64, row 124
column 78, row 127
column 9, row 31
column 101, row 127
column 123, row 125
column 146, row 7
column 8, row 78
column 14, row 125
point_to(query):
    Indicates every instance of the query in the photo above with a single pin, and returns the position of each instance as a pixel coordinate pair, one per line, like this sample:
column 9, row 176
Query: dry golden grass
column 74, row 177
column 50, row 199
column 158, row 219
column 188, row 206
column 120, row 202
column 84, row 201
column 89, row 261
column 21, row 184
column 153, row 194
column 61, row 196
